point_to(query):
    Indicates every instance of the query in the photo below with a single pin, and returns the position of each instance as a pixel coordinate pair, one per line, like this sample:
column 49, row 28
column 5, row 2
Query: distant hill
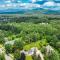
column 37, row 10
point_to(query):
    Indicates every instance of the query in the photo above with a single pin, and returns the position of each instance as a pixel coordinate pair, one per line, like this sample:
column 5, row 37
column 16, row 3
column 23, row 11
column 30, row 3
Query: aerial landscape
column 29, row 29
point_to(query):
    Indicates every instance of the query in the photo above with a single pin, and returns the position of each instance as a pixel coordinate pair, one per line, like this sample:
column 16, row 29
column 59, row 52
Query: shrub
column 17, row 55
column 54, row 56
column 29, row 58
column 2, row 57
column 18, row 44
column 2, row 37
column 9, row 48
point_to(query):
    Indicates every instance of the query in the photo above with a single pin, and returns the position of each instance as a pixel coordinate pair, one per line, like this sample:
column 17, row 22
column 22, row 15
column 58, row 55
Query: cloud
column 51, row 6
column 36, row 0
column 48, row 4
column 58, row 4
column 2, row 5
column 8, row 1
column 19, row 6
column 33, row 1
column 31, row 6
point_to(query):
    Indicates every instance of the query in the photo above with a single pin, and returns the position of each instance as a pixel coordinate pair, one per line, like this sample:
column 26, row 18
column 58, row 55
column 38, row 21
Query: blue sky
column 29, row 4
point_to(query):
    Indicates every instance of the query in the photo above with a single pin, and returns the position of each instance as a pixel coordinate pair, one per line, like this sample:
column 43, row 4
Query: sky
column 30, row 4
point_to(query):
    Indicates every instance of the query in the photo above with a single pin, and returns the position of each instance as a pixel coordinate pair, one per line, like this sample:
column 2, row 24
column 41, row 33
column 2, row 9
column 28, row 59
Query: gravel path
column 7, row 57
